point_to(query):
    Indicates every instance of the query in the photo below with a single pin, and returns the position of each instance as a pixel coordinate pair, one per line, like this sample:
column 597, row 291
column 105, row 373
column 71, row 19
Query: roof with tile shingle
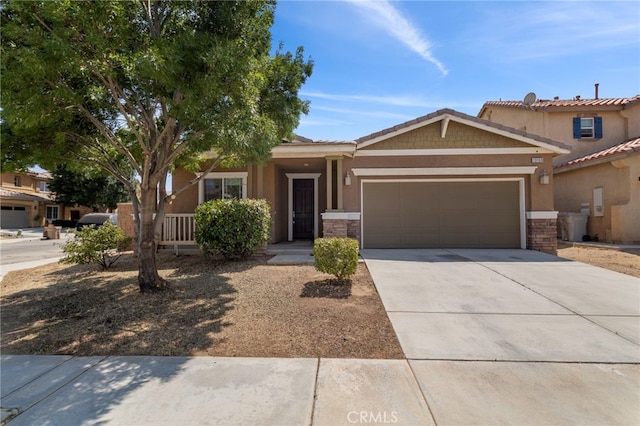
column 301, row 140
column 576, row 103
column 624, row 149
column 15, row 195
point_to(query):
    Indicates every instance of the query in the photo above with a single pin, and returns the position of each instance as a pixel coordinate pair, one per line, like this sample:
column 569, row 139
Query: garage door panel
column 419, row 220
column 494, row 221
column 384, row 240
column 420, row 240
column 441, row 214
column 14, row 217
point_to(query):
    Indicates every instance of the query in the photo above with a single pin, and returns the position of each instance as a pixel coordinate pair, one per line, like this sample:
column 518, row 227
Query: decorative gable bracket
column 444, row 125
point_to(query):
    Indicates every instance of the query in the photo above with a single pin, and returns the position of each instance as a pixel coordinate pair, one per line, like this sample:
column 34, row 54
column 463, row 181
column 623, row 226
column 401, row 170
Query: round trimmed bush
column 232, row 228
column 336, row 256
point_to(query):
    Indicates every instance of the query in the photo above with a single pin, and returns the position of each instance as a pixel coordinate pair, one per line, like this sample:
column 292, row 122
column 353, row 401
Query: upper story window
column 587, row 127
column 43, row 186
column 16, row 181
column 217, row 186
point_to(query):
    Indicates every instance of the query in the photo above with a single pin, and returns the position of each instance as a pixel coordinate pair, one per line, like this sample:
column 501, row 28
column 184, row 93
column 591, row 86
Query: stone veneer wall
column 542, row 235
column 341, row 228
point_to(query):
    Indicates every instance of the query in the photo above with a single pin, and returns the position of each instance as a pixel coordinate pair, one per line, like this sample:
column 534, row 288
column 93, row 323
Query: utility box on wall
column 598, row 202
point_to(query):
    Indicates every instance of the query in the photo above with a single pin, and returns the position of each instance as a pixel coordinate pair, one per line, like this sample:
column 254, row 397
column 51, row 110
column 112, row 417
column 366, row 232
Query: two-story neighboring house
column 601, row 175
column 25, row 201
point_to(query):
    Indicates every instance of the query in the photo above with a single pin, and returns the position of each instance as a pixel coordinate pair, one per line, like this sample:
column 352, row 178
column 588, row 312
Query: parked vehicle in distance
column 96, row 219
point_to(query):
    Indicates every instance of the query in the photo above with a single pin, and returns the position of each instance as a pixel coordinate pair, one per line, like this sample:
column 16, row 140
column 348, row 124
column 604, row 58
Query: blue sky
column 380, row 63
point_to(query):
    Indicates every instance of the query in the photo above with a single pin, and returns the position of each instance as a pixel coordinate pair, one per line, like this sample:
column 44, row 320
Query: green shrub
column 232, row 228
column 336, row 256
column 100, row 245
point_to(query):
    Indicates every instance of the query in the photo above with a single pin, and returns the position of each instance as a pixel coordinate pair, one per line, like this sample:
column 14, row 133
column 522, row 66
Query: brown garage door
column 14, row 217
column 441, row 214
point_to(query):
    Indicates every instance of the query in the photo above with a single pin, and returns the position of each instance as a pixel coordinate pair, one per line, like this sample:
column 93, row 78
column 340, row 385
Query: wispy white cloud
column 392, row 100
column 391, row 20
column 306, row 121
column 542, row 30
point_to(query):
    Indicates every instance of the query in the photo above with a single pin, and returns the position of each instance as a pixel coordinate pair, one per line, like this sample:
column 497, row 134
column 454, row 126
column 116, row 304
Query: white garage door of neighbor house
column 13, row 217
column 441, row 214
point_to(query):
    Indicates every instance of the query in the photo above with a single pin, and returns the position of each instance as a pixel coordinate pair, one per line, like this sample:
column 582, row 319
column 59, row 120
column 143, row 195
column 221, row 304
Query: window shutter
column 597, row 124
column 577, row 134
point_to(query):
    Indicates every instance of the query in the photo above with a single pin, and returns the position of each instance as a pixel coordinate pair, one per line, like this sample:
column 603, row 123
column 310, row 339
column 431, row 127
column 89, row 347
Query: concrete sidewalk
column 54, row 390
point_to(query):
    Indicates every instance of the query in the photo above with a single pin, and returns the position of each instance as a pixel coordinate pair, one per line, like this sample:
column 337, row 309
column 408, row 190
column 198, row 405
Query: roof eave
column 594, row 162
column 314, row 150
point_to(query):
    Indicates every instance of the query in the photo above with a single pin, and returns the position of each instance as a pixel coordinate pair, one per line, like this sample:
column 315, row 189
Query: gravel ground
column 624, row 261
column 245, row 308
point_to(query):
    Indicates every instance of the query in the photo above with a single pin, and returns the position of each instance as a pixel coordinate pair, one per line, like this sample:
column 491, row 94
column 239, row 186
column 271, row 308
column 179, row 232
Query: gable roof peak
column 468, row 120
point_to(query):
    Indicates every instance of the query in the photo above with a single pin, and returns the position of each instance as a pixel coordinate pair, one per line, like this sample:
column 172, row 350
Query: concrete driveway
column 520, row 336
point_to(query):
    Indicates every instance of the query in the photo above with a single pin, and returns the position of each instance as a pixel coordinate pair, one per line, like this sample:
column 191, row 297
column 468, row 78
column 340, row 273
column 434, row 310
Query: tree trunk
column 148, row 277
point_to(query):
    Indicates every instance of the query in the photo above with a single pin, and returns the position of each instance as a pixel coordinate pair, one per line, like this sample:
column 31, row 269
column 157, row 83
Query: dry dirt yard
column 625, row 261
column 243, row 308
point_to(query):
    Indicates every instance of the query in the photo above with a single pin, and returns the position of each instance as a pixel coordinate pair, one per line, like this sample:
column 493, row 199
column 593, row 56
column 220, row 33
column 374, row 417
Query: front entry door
column 303, row 209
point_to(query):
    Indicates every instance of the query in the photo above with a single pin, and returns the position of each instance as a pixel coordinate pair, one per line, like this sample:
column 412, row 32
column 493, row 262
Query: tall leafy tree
column 87, row 188
column 145, row 85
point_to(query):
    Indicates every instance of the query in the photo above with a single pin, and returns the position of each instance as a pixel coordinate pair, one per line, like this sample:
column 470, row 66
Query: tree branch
column 215, row 163
column 111, row 137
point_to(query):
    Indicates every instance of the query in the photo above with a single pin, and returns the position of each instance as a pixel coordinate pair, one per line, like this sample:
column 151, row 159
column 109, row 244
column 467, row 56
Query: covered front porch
column 304, row 182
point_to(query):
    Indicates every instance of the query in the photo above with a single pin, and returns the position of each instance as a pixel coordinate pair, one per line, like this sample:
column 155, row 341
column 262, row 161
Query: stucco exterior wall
column 621, row 195
column 28, row 183
column 618, row 126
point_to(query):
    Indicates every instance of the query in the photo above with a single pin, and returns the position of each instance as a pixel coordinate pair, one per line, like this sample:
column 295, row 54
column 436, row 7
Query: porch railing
column 178, row 229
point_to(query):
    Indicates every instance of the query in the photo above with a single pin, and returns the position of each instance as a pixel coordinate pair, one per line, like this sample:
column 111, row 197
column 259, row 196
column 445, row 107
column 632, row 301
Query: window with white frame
column 587, row 127
column 222, row 185
column 16, row 181
column 52, row 213
column 43, row 186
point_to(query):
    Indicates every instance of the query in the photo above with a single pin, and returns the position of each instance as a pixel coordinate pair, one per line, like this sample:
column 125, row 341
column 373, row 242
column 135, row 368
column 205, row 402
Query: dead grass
column 624, row 261
column 244, row 308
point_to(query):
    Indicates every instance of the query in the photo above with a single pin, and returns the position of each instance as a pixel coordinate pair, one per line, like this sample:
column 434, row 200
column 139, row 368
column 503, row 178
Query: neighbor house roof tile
column 625, row 148
column 16, row 195
column 301, row 140
column 566, row 103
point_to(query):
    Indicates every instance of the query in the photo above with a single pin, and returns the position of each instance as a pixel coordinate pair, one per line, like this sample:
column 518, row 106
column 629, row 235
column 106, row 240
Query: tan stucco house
column 25, row 201
column 601, row 175
column 446, row 179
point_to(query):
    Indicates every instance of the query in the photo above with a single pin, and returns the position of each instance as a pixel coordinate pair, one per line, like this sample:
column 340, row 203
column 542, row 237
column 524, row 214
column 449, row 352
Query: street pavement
column 490, row 336
column 29, row 250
